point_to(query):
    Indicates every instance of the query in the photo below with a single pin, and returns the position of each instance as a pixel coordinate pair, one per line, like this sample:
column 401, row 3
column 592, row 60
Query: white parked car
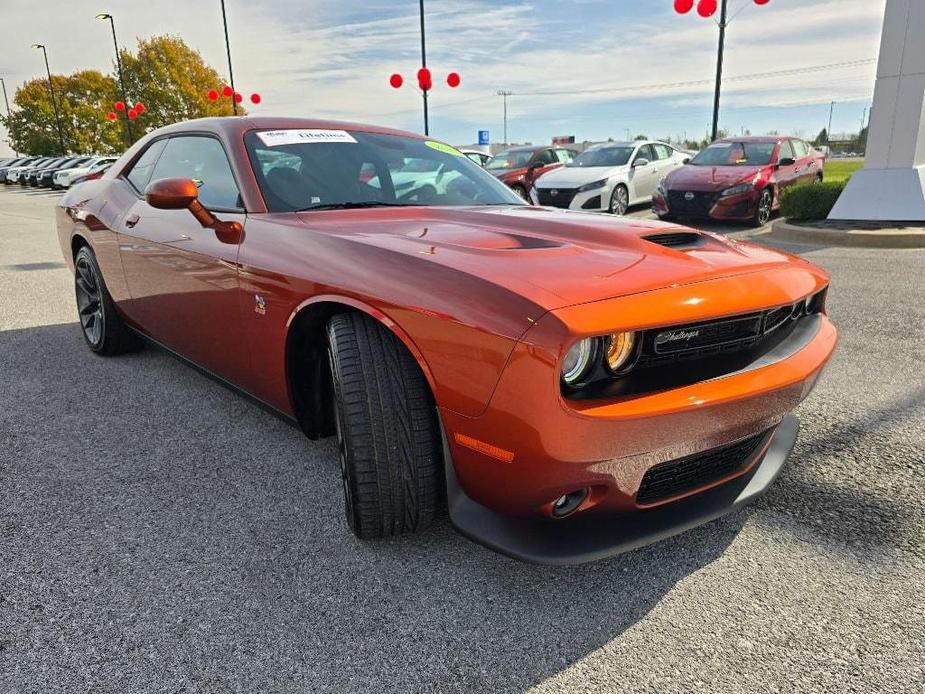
column 65, row 177
column 609, row 176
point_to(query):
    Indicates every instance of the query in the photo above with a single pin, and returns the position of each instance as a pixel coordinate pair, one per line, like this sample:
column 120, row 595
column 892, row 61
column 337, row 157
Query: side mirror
column 786, row 161
column 182, row 193
column 640, row 161
column 686, row 160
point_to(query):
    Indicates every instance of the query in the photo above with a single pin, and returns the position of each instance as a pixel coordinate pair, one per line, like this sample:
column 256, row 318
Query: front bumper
column 531, row 445
column 734, row 208
column 596, row 200
column 594, row 536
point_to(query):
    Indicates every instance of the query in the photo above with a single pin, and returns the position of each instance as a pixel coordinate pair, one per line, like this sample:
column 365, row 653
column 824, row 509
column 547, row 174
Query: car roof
column 758, row 138
column 235, row 126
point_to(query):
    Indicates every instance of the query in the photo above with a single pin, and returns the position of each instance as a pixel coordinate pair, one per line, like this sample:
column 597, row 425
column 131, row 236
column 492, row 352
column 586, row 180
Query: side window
column 800, row 148
column 646, row 152
column 564, row 156
column 203, row 160
column 140, row 173
column 546, row 157
column 786, row 151
column 663, row 151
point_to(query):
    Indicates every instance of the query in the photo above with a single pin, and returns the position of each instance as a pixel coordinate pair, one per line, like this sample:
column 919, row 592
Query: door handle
column 132, row 220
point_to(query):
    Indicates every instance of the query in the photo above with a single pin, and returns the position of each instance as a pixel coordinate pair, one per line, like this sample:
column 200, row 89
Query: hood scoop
column 677, row 239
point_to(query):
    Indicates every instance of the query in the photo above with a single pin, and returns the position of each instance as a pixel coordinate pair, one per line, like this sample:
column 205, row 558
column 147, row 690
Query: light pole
column 112, row 23
column 504, row 94
column 234, row 102
column 424, row 66
column 828, row 130
column 54, row 101
column 7, row 102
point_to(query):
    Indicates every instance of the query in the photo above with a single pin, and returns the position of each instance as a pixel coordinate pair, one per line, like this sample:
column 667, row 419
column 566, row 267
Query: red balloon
column 139, row 107
column 683, row 6
column 453, row 79
column 132, row 114
column 706, row 8
column 227, row 91
column 111, row 115
column 238, row 98
column 120, row 105
column 255, row 98
column 213, row 95
column 424, row 79
column 396, row 80
column 762, row 2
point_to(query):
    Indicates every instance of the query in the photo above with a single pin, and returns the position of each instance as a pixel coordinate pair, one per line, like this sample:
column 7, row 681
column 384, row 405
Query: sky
column 590, row 68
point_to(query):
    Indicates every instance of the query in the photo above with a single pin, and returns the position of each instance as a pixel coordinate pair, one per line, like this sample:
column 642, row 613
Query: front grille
column 683, row 475
column 699, row 205
column 676, row 239
column 556, row 197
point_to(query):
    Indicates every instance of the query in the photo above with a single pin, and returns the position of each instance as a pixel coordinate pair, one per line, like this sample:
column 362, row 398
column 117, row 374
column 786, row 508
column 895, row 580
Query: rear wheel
column 387, row 435
column 103, row 328
column 619, row 200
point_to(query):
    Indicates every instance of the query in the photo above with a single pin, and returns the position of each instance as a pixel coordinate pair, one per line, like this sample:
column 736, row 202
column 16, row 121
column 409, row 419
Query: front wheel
column 763, row 211
column 619, row 200
column 103, row 329
column 387, row 435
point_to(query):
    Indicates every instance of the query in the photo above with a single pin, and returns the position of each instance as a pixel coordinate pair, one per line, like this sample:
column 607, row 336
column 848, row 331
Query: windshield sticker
column 275, row 138
column 446, row 149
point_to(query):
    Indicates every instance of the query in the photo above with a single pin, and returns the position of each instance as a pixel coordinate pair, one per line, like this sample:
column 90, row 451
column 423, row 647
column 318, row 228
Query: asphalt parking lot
column 160, row 534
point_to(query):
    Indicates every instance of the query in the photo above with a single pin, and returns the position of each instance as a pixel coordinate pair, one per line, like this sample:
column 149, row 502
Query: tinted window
column 646, row 152
column 511, row 159
column 546, row 157
column 140, row 173
column 203, row 160
column 603, row 156
column 662, row 151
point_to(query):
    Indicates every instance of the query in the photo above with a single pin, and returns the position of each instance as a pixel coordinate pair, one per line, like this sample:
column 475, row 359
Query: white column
column 891, row 186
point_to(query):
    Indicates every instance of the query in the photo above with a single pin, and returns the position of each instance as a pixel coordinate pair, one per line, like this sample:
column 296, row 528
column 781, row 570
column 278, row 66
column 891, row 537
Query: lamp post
column 54, row 101
column 504, row 94
column 234, row 102
column 103, row 16
column 7, row 102
column 707, row 8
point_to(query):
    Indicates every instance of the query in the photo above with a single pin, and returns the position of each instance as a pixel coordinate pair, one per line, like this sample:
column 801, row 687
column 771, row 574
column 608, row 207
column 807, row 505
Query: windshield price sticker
column 275, row 138
column 446, row 149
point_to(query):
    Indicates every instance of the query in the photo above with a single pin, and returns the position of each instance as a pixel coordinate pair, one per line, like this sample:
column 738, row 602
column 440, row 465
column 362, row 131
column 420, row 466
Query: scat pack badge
column 260, row 305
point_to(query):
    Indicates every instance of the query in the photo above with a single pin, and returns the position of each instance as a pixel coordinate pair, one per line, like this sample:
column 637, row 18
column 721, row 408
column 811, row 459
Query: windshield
column 314, row 169
column 510, row 160
column 735, row 154
column 603, row 156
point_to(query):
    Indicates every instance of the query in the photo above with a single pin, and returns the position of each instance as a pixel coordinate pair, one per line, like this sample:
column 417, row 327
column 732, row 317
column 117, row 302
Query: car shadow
column 148, row 514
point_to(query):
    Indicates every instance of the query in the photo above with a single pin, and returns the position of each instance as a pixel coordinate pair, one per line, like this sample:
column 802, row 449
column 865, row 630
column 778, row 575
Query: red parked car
column 519, row 167
column 738, row 179
column 567, row 386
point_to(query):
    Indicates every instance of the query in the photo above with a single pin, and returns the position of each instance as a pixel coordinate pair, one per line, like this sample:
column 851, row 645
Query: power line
column 696, row 83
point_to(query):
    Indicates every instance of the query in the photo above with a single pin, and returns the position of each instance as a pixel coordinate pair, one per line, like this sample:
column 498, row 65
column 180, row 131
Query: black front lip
column 597, row 536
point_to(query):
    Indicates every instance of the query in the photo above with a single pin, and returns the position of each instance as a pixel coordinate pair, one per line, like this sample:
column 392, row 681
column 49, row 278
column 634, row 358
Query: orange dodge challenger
column 568, row 386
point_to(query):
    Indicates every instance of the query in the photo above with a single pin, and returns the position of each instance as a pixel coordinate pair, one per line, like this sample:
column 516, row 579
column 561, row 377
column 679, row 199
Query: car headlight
column 620, row 349
column 736, row 190
column 593, row 186
column 578, row 362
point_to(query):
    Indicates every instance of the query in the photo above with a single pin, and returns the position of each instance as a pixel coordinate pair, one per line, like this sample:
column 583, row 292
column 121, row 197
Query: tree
column 822, row 138
column 82, row 103
column 173, row 81
column 641, row 137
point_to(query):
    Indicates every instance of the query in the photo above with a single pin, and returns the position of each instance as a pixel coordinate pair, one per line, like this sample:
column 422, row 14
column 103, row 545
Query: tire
column 388, row 440
column 103, row 329
column 619, row 200
column 521, row 192
column 764, row 208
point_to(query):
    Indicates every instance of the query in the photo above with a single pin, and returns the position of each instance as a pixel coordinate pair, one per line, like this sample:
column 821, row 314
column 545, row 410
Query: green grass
column 836, row 170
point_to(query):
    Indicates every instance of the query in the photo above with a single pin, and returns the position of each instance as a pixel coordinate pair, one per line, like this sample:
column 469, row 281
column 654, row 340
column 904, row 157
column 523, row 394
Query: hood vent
column 676, row 239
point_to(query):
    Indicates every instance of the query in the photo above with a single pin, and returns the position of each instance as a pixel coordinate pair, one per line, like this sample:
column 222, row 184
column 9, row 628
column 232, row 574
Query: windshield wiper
column 358, row 205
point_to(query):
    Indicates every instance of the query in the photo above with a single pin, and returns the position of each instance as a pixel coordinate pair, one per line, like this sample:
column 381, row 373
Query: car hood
column 709, row 178
column 553, row 258
column 575, row 176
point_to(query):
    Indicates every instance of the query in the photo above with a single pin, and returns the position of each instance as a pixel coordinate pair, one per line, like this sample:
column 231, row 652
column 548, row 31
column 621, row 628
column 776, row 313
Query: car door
column 787, row 174
column 644, row 174
column 183, row 280
column 807, row 169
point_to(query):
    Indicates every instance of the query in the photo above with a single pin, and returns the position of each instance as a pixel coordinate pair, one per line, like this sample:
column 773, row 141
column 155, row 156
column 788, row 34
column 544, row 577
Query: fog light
column 568, row 503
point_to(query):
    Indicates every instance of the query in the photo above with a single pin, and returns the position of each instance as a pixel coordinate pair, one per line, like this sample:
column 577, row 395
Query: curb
column 782, row 230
